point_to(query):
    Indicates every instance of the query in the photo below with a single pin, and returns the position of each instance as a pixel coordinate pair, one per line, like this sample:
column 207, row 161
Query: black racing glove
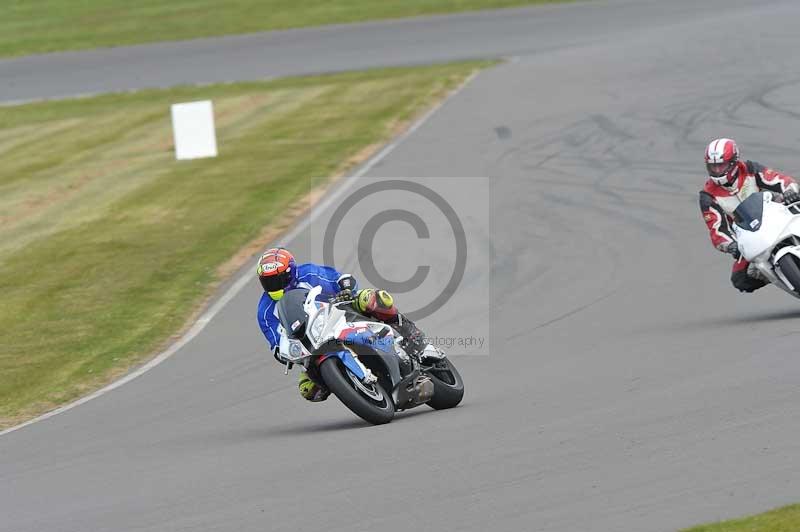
column 791, row 196
column 342, row 296
column 347, row 284
column 733, row 249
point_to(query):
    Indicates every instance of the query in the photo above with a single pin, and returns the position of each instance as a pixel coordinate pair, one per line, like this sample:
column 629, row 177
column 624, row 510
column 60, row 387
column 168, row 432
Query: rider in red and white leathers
column 729, row 183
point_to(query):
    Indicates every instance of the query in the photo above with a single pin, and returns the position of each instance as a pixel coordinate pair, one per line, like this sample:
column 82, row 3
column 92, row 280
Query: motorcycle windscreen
column 750, row 212
column 291, row 313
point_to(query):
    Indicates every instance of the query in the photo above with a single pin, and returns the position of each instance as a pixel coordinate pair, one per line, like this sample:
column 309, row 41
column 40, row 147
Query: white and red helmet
column 721, row 158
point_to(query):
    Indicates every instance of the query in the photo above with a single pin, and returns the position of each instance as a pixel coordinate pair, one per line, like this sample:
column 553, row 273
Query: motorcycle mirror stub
column 311, row 298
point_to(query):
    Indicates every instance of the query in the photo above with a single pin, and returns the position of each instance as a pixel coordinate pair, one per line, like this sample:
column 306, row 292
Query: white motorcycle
column 768, row 235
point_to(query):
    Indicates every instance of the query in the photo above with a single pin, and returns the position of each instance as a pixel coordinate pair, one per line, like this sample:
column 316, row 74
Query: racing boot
column 310, row 390
column 380, row 304
column 755, row 273
column 414, row 341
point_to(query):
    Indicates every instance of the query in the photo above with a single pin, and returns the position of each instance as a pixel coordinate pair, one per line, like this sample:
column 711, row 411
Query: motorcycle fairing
column 776, row 224
column 360, row 333
column 351, row 340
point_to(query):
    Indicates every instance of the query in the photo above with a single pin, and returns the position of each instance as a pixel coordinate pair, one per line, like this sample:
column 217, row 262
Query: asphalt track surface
column 625, row 384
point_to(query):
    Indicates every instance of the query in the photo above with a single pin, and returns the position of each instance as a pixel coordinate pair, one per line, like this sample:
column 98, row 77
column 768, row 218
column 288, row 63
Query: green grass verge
column 786, row 519
column 28, row 26
column 107, row 244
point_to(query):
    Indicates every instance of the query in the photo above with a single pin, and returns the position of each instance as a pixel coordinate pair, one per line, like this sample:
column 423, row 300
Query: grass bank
column 28, row 27
column 107, row 244
column 786, row 519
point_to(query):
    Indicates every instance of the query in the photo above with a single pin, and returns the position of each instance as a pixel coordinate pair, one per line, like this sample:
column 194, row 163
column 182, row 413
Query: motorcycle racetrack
column 623, row 385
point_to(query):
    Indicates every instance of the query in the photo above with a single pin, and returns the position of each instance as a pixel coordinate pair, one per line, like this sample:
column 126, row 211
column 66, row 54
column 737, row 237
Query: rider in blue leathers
column 307, row 276
column 278, row 272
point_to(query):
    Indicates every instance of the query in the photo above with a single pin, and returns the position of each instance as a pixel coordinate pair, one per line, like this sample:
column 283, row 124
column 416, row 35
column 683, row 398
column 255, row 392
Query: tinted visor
column 719, row 169
column 273, row 283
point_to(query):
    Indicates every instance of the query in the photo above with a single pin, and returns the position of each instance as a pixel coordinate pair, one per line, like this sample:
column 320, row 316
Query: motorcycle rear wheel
column 448, row 387
column 369, row 402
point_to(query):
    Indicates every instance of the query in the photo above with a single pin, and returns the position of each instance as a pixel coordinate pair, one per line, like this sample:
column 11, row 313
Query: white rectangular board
column 193, row 130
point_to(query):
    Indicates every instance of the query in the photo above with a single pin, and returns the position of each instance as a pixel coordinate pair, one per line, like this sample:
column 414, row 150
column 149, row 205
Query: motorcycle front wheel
column 790, row 269
column 370, row 402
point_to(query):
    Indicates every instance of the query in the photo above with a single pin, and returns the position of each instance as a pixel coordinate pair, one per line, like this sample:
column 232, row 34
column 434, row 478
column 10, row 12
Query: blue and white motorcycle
column 361, row 361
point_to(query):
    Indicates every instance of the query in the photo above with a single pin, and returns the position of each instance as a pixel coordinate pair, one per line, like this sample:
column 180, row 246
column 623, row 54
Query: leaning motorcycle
column 361, row 361
column 768, row 235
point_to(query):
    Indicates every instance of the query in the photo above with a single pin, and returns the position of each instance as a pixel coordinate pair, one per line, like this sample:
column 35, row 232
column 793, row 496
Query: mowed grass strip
column 28, row 26
column 107, row 244
column 786, row 519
